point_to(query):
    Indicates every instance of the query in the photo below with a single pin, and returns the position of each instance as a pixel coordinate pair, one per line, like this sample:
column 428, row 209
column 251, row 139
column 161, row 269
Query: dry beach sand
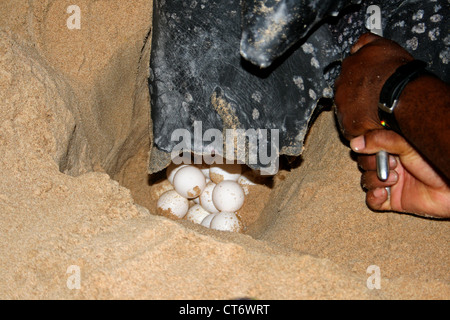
column 74, row 123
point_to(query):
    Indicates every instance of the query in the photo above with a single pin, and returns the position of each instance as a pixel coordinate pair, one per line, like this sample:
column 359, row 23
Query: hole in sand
column 255, row 215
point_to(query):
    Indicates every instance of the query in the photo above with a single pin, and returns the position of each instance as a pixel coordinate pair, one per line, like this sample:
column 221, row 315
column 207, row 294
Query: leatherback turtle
column 264, row 64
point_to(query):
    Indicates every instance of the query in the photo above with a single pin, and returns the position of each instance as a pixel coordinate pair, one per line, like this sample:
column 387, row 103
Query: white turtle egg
column 189, row 182
column 205, row 171
column 204, row 168
column 220, row 172
column 228, row 196
column 158, row 188
column 177, row 163
column 244, row 181
column 172, row 170
column 206, row 222
column 206, row 198
column 196, row 214
column 172, row 205
column 226, row 221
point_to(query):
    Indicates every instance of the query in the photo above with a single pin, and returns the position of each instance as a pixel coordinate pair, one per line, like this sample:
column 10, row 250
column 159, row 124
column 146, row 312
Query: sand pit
column 74, row 146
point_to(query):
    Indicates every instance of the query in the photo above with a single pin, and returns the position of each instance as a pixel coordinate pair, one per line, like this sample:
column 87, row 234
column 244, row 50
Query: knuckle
column 376, row 138
column 363, row 183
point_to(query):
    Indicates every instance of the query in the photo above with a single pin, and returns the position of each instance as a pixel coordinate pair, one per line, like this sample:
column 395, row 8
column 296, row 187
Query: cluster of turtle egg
column 207, row 195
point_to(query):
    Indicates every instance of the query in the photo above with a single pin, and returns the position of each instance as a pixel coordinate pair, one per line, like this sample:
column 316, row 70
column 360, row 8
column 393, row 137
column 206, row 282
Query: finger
column 365, row 39
column 370, row 181
column 378, row 199
column 377, row 140
column 369, row 162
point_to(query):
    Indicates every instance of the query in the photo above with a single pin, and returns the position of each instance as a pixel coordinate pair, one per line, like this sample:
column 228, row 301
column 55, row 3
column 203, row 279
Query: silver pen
column 382, row 158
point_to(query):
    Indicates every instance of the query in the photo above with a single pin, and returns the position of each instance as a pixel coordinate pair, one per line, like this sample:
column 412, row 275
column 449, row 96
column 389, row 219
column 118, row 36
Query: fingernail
column 392, row 162
column 393, row 177
column 379, row 192
column 358, row 144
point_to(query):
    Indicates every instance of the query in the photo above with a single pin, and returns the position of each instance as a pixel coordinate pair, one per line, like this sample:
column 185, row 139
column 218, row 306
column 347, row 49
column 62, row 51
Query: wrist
column 422, row 106
column 422, row 115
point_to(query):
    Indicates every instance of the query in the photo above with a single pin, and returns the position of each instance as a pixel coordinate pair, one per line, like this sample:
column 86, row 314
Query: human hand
column 372, row 61
column 415, row 186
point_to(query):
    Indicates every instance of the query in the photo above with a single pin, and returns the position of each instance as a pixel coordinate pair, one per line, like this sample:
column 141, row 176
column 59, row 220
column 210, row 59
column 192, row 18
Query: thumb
column 377, row 140
column 365, row 39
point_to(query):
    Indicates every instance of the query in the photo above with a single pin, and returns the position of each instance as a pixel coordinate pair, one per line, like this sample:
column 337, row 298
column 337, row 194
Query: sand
column 74, row 191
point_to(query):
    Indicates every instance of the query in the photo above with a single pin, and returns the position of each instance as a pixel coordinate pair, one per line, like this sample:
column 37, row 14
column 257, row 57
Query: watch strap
column 393, row 88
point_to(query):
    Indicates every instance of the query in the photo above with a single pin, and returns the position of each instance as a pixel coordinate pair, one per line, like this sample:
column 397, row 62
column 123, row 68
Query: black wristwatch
column 392, row 89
